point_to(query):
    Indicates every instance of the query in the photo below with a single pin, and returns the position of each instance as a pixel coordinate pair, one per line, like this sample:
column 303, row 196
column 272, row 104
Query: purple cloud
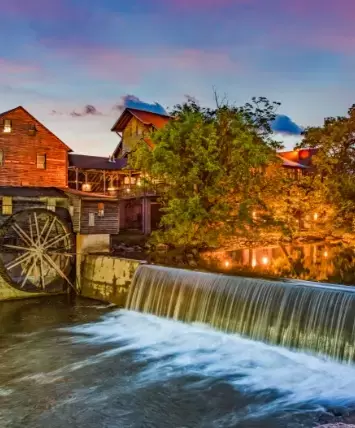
column 285, row 125
column 131, row 101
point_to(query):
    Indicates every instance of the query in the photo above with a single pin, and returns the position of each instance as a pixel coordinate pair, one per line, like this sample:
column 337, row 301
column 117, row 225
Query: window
column 1, row 157
column 101, row 209
column 91, row 219
column 7, row 125
column 41, row 161
column 51, row 204
column 7, row 205
column 32, row 130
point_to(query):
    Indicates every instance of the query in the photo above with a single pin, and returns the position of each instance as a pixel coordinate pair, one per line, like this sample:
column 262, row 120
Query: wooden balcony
column 133, row 191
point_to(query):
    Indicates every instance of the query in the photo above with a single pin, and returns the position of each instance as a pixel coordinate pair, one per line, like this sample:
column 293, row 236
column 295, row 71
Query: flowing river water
column 81, row 364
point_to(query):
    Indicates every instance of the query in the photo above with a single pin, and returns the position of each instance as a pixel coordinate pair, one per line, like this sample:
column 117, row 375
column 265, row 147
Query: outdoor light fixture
column 265, row 260
column 86, row 187
column 325, row 254
column 100, row 209
column 315, row 216
column 227, row 263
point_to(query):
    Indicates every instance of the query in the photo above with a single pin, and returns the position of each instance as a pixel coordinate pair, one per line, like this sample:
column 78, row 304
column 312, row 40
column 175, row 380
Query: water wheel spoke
column 44, row 228
column 22, row 234
column 37, row 227
column 23, row 258
column 49, row 231
column 30, row 269
column 56, row 240
column 58, row 270
column 58, row 253
column 41, row 269
column 30, row 225
column 17, row 247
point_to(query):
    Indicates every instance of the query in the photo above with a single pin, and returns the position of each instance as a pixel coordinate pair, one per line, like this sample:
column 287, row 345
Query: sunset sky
column 58, row 56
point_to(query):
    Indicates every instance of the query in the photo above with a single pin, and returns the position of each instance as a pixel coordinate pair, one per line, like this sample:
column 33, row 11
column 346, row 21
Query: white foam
column 173, row 348
column 4, row 392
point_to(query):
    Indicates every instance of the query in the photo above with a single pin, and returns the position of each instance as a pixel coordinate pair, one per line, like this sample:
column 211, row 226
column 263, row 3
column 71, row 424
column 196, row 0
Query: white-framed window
column 91, row 219
column 41, row 161
column 7, row 205
column 51, row 204
column 7, row 126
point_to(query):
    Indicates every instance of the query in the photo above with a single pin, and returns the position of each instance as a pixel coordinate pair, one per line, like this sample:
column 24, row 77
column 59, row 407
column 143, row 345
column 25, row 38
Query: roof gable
column 146, row 117
column 36, row 121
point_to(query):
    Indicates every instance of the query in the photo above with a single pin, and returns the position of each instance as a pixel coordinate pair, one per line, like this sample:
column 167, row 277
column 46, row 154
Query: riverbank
column 316, row 257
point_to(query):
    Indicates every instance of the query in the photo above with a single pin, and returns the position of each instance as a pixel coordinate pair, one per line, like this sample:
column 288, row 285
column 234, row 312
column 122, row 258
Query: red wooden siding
column 20, row 148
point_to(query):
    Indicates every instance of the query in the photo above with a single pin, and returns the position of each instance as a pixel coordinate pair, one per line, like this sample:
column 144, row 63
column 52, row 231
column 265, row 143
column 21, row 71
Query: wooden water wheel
column 36, row 251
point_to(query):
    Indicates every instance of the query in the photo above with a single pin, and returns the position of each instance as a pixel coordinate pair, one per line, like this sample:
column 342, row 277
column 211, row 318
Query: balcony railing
column 128, row 191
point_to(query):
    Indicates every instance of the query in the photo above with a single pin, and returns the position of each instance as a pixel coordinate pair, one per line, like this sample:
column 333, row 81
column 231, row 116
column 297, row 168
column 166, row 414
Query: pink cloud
column 320, row 8
column 16, row 67
column 207, row 4
column 131, row 67
column 35, row 8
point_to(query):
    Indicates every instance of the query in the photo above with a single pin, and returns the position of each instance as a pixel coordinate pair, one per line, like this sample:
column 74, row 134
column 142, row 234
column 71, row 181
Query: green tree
column 335, row 163
column 214, row 162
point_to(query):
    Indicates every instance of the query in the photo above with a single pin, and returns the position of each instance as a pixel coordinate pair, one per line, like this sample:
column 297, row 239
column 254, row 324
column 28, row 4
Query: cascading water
column 317, row 318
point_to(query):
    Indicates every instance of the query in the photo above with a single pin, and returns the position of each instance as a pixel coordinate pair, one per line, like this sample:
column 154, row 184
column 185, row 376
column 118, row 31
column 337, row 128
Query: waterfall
column 310, row 317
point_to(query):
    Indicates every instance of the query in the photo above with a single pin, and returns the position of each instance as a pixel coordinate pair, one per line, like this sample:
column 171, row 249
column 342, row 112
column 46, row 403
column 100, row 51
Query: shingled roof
column 95, row 162
column 298, row 158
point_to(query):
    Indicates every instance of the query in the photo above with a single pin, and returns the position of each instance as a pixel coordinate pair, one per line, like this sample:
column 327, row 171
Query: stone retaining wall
column 107, row 278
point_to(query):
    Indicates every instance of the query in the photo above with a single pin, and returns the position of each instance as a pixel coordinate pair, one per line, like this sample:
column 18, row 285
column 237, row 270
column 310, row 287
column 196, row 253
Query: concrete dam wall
column 107, row 278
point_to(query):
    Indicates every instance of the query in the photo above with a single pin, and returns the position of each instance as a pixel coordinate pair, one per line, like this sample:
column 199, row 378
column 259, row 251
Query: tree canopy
column 214, row 162
column 335, row 163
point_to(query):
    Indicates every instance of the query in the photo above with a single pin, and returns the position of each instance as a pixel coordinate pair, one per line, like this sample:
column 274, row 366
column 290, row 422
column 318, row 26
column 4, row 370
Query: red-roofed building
column 134, row 125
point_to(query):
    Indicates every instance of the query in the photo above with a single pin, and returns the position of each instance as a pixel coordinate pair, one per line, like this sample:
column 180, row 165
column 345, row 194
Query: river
column 80, row 364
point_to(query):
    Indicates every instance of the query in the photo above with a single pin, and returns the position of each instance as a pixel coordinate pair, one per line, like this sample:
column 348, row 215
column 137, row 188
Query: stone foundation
column 107, row 278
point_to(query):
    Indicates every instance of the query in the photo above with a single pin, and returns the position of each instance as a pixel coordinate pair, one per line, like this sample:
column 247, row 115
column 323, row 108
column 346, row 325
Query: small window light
column 101, row 209
column 7, row 126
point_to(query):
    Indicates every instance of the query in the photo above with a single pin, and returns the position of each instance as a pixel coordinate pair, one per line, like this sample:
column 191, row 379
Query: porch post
column 76, row 179
column 146, row 216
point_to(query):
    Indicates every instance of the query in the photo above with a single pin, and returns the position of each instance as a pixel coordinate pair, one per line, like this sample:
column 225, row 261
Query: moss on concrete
column 107, row 278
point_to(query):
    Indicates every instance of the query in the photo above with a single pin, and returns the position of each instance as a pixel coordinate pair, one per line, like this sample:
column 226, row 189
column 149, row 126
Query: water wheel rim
column 36, row 251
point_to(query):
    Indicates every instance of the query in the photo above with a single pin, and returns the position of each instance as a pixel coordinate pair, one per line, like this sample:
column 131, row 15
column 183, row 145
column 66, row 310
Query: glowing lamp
column 86, row 187
column 265, row 260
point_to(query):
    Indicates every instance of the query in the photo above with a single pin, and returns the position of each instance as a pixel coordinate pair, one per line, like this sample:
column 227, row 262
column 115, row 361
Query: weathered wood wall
column 134, row 132
column 20, row 149
column 108, row 224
